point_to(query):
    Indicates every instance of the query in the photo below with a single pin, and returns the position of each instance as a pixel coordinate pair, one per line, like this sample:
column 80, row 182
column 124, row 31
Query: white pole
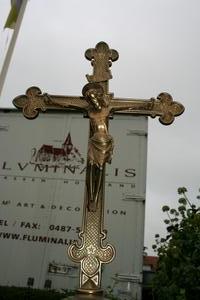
column 11, row 47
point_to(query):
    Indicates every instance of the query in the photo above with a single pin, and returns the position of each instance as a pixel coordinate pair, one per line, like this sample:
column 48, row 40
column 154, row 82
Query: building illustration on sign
column 66, row 154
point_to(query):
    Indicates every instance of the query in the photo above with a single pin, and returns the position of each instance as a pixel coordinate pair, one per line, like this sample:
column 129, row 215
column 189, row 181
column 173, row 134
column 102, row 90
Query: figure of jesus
column 100, row 146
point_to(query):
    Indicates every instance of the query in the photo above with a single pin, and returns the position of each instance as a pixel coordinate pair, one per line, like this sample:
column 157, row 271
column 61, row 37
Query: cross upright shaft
column 99, row 105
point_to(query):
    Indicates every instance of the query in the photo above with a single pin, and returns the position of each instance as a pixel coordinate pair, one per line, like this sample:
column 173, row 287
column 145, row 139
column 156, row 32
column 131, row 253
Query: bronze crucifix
column 99, row 105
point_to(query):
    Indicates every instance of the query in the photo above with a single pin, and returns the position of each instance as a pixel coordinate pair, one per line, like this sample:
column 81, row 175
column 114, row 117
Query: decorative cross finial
column 101, row 59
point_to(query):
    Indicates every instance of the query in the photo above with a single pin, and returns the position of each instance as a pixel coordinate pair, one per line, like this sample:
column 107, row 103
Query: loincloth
column 100, row 149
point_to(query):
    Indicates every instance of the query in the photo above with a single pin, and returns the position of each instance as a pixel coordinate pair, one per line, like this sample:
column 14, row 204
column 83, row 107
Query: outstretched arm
column 34, row 101
column 163, row 106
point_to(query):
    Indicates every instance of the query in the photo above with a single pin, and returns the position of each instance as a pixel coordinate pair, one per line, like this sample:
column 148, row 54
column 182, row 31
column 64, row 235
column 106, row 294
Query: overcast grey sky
column 159, row 46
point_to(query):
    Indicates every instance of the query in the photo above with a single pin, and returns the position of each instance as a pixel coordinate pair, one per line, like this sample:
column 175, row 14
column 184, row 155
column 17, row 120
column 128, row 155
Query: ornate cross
column 99, row 105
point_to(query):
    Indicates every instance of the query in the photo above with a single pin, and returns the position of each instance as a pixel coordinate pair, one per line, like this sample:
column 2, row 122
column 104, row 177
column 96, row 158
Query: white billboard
column 42, row 178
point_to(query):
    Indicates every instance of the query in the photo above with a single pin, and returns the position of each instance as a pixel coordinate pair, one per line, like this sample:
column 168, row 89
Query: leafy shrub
column 178, row 274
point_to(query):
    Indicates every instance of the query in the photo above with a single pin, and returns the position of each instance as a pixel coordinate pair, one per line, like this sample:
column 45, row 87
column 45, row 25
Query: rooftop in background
column 150, row 263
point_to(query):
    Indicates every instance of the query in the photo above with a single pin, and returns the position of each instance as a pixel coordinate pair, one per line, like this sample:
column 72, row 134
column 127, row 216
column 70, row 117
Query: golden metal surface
column 87, row 297
column 91, row 252
column 101, row 59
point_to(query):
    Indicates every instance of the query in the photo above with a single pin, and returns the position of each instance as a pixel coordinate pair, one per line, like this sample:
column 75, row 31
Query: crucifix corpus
column 99, row 105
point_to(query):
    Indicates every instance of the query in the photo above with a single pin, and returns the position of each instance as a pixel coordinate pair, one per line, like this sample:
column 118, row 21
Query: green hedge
column 16, row 293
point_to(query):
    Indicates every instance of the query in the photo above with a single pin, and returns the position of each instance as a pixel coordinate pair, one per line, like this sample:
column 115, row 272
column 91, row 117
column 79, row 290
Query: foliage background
column 178, row 274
